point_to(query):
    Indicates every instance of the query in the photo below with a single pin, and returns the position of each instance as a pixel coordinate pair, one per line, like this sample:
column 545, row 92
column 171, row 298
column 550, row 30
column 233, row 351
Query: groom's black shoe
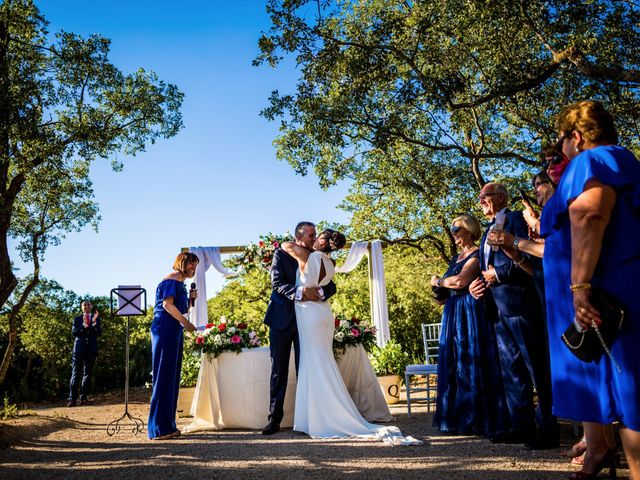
column 271, row 428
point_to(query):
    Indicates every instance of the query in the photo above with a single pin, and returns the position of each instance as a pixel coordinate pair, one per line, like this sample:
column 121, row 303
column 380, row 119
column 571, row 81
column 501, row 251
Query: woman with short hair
column 172, row 303
column 591, row 228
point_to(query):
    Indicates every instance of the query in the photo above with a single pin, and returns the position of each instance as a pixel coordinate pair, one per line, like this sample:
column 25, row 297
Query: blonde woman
column 470, row 392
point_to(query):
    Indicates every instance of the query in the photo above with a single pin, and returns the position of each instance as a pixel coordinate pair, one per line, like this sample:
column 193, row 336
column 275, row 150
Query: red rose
column 210, row 325
column 199, row 340
column 337, row 322
column 355, row 320
column 242, row 326
column 261, row 244
column 222, row 327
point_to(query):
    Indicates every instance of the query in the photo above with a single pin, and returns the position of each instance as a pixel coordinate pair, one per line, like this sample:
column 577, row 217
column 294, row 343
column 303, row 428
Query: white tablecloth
column 233, row 390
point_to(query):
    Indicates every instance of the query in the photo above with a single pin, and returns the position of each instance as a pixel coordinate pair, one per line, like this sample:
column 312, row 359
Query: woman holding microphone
column 172, row 302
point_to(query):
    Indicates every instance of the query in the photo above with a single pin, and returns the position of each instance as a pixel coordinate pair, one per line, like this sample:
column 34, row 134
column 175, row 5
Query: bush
column 390, row 359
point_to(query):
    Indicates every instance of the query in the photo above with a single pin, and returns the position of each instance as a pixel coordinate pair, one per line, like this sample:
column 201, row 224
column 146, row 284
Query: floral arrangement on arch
column 223, row 337
column 258, row 255
column 351, row 332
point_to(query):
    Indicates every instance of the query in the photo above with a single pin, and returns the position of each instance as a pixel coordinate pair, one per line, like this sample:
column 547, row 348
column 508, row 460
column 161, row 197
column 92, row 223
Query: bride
column 324, row 408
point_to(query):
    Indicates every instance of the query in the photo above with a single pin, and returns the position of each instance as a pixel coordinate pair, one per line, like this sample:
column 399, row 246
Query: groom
column 281, row 318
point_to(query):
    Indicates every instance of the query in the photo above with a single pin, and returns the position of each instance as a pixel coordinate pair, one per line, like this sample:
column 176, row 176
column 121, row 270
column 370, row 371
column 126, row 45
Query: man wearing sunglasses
column 511, row 303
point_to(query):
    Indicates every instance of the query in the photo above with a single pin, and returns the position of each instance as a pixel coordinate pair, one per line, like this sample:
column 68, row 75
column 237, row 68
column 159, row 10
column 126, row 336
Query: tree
column 63, row 104
column 419, row 103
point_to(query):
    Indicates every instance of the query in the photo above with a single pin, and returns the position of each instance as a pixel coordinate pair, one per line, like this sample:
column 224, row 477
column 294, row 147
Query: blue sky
column 217, row 182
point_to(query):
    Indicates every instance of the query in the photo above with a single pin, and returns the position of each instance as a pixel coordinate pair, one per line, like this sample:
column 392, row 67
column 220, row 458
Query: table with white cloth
column 233, row 389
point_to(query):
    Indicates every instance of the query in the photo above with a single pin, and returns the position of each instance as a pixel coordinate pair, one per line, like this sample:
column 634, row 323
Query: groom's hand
column 310, row 294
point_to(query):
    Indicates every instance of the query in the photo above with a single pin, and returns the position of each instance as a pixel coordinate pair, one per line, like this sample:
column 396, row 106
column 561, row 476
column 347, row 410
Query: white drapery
column 209, row 257
column 379, row 309
column 357, row 251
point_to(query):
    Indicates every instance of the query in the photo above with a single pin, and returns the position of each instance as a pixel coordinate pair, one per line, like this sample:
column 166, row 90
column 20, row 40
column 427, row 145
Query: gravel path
column 55, row 442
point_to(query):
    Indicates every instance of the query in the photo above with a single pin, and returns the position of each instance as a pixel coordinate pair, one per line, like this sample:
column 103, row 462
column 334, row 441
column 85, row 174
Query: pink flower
column 199, row 340
column 236, row 339
column 276, row 244
column 355, row 332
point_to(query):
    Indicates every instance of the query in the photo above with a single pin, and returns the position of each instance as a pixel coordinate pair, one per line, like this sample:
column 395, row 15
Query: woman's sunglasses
column 555, row 160
column 455, row 228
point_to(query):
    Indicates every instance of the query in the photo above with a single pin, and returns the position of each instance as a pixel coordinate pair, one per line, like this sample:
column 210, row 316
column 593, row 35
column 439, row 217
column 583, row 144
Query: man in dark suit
column 281, row 318
column 86, row 329
column 511, row 302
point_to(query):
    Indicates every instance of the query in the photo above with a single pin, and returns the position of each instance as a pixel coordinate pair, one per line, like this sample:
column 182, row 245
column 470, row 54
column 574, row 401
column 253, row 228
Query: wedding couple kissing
column 299, row 314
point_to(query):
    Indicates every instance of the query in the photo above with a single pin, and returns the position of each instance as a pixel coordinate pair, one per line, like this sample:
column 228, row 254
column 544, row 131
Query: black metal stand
column 136, row 425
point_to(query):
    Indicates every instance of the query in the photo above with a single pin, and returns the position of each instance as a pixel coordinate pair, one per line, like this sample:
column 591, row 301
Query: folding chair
column 431, row 340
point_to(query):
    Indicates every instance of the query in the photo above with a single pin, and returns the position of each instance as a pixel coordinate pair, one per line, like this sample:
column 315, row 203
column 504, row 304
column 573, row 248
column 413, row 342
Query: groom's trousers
column 280, row 342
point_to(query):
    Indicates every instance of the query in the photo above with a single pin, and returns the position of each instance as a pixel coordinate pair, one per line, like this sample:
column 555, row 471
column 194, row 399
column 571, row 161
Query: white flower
column 223, row 319
column 339, row 336
column 231, row 330
column 344, row 324
column 217, row 340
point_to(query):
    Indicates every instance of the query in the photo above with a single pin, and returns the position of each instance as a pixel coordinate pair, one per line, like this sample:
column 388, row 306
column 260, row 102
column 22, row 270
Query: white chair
column 431, row 340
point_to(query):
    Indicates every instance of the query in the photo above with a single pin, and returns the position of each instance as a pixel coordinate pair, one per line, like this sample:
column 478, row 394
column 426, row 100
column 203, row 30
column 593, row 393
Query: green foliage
column 258, row 255
column 417, row 104
column 390, row 359
column 42, row 365
column 9, row 410
column 63, row 104
column 190, row 365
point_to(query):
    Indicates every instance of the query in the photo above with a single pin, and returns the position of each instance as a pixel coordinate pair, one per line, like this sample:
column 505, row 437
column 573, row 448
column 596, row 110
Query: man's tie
column 87, row 320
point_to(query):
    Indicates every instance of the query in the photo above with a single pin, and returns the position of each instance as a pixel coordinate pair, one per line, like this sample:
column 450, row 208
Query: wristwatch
column 516, row 242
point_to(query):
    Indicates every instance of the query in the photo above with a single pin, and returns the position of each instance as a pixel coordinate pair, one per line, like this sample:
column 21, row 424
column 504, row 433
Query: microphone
column 193, row 300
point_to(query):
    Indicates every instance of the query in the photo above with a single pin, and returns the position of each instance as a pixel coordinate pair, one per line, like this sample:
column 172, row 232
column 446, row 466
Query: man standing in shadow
column 86, row 329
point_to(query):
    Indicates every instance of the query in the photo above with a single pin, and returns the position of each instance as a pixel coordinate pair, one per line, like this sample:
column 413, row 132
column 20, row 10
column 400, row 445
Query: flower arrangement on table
column 258, row 255
column 351, row 332
column 223, row 337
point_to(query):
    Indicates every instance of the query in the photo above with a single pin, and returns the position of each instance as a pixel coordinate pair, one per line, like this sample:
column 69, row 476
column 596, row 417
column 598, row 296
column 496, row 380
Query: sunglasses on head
column 455, row 228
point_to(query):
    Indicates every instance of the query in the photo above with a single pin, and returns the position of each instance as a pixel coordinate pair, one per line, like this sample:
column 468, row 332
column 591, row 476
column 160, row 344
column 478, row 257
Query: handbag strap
column 604, row 345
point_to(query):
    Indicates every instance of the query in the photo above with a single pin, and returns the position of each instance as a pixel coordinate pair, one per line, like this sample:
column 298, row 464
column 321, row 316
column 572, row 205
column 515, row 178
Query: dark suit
column 85, row 349
column 283, row 331
column 520, row 334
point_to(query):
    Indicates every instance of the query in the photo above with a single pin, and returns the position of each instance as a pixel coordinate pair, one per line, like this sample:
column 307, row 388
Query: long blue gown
column 470, row 392
column 166, row 353
column 596, row 392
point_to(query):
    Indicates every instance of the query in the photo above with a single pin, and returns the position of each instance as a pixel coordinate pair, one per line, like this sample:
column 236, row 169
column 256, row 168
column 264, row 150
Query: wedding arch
column 211, row 257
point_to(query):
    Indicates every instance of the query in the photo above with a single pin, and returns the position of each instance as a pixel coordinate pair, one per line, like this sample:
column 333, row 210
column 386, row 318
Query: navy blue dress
column 470, row 392
column 166, row 353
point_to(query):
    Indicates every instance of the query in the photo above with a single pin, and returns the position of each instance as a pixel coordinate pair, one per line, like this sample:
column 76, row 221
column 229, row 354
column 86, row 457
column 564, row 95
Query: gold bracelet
column 579, row 286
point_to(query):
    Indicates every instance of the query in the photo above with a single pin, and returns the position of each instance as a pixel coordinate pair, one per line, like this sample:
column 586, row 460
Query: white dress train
column 323, row 407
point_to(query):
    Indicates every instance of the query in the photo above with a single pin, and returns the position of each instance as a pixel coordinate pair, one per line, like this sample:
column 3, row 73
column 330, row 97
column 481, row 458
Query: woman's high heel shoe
column 609, row 460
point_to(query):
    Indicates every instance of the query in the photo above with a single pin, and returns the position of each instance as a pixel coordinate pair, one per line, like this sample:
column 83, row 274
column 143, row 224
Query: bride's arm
column 301, row 254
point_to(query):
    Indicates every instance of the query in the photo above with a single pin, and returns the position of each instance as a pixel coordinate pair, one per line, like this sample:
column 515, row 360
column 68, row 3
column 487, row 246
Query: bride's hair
column 335, row 240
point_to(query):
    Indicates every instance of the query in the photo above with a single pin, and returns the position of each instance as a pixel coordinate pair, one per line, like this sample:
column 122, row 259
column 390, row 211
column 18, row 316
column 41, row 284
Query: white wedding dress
column 324, row 408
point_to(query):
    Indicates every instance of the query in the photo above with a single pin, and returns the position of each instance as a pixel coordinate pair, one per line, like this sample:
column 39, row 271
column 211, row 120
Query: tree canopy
column 63, row 104
column 420, row 103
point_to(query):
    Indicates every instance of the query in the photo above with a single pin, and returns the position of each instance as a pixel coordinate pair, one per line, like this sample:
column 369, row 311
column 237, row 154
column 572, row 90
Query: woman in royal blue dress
column 470, row 392
column 172, row 302
column 592, row 227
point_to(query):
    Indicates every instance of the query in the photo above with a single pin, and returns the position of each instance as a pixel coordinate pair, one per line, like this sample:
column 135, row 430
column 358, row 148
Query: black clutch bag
column 589, row 345
column 440, row 294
